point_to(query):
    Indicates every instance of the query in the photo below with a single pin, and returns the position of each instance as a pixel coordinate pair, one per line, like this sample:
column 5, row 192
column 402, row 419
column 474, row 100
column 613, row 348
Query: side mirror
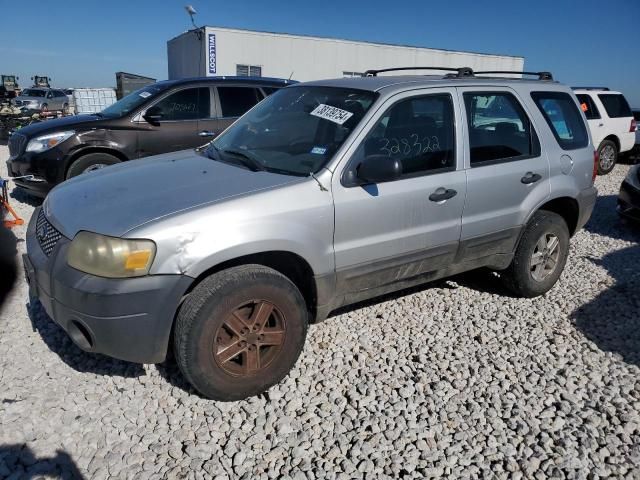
column 49, row 95
column 153, row 115
column 378, row 169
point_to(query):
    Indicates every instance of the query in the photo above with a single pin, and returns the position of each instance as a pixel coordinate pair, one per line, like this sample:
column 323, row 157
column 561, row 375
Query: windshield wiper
column 247, row 160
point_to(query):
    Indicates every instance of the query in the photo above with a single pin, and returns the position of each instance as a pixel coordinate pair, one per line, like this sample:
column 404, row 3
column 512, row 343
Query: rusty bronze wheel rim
column 250, row 338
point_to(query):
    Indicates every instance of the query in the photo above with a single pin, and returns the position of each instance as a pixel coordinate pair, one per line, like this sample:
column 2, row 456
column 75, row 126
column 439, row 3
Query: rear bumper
column 586, row 201
column 129, row 319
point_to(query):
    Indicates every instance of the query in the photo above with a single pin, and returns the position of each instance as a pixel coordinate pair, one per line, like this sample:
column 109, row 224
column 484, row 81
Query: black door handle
column 442, row 194
column 530, row 177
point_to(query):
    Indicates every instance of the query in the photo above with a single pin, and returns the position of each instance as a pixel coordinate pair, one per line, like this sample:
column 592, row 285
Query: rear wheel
column 540, row 257
column 240, row 331
column 608, row 157
column 91, row 162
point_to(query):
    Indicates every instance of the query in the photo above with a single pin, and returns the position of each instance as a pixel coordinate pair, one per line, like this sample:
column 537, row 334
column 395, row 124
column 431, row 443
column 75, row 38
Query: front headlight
column 109, row 256
column 45, row 142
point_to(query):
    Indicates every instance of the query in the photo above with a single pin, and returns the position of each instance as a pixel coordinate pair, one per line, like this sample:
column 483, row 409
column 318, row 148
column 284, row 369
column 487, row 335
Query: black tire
column 45, row 107
column 201, row 324
column 605, row 165
column 80, row 165
column 519, row 276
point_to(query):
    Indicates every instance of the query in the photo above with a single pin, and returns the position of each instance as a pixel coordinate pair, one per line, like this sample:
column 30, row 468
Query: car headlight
column 109, row 256
column 45, row 142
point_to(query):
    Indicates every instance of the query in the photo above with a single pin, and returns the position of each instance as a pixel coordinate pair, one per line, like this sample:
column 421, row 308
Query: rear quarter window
column 564, row 119
column 615, row 105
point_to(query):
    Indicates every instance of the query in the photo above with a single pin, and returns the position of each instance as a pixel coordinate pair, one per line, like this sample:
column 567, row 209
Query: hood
column 121, row 197
column 63, row 123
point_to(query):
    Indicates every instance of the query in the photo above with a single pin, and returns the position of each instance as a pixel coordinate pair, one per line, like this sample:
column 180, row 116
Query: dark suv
column 159, row 118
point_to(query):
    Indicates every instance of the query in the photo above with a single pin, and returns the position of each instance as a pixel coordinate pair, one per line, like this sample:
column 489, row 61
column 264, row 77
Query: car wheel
column 91, row 162
column 239, row 332
column 608, row 156
column 540, row 256
column 44, row 108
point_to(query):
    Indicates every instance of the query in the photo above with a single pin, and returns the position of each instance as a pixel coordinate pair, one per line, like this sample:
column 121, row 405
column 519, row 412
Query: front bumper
column 129, row 319
column 629, row 199
column 47, row 167
column 586, row 203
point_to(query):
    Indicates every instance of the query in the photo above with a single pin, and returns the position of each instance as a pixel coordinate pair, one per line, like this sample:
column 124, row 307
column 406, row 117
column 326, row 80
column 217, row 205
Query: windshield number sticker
column 144, row 94
column 333, row 114
column 318, row 150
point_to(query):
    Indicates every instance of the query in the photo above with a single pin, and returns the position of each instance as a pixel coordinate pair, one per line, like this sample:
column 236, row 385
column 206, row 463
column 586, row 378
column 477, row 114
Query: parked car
column 159, row 118
column 325, row 194
column 635, row 151
column 611, row 123
column 38, row 99
column 629, row 196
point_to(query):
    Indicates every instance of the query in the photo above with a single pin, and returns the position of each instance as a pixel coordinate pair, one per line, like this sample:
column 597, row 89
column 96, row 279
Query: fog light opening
column 80, row 335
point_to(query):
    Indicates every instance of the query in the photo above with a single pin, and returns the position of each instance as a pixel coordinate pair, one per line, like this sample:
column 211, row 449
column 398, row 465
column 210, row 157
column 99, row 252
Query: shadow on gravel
column 606, row 222
column 59, row 343
column 21, row 196
column 611, row 320
column 18, row 461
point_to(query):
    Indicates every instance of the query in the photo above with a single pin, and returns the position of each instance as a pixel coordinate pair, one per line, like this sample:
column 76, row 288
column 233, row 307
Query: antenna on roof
column 191, row 11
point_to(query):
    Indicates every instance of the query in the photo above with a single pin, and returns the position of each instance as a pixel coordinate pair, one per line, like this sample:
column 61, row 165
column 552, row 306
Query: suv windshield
column 32, row 92
column 295, row 131
column 132, row 101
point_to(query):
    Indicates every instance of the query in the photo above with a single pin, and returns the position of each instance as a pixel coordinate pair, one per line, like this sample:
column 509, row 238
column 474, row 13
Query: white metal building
column 214, row 51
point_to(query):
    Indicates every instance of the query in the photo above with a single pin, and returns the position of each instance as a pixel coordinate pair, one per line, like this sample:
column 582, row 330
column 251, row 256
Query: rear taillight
column 634, row 126
column 596, row 160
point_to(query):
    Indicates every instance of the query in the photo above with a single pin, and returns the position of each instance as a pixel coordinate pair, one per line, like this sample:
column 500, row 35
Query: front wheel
column 540, row 256
column 90, row 163
column 239, row 332
column 608, row 157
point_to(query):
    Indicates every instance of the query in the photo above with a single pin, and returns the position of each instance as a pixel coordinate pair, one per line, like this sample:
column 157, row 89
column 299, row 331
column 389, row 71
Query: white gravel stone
column 457, row 379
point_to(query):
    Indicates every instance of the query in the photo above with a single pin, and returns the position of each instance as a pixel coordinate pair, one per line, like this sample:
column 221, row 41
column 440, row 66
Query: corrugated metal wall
column 310, row 58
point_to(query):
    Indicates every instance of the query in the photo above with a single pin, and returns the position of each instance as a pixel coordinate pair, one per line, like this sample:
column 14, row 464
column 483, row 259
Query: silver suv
column 324, row 194
column 38, row 99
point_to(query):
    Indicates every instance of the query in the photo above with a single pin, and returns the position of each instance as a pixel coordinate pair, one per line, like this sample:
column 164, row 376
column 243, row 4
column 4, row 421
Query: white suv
column 611, row 123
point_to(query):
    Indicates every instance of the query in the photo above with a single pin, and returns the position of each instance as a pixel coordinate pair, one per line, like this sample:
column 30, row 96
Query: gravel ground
column 453, row 380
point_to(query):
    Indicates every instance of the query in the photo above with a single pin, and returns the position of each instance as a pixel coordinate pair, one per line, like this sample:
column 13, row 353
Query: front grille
column 17, row 142
column 46, row 234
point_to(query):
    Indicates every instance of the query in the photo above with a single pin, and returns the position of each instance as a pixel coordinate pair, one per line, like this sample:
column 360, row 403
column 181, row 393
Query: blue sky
column 83, row 43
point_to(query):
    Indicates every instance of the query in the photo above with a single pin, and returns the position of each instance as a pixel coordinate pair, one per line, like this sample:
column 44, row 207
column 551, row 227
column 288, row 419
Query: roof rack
column 461, row 72
column 540, row 75
column 590, row 88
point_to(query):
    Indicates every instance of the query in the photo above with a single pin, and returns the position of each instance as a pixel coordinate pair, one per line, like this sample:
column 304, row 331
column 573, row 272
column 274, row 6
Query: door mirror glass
column 153, row 114
column 378, row 168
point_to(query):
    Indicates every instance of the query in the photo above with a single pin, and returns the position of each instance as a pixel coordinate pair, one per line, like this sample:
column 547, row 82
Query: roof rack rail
column 590, row 88
column 540, row 75
column 460, row 72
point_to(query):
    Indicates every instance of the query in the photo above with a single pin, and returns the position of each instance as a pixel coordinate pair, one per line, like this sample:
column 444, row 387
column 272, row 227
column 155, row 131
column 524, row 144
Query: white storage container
column 92, row 100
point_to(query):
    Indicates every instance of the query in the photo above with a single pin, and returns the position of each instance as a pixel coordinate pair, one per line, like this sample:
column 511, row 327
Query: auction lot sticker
column 333, row 114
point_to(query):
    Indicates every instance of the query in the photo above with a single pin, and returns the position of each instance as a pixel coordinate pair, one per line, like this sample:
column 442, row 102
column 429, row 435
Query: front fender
column 296, row 219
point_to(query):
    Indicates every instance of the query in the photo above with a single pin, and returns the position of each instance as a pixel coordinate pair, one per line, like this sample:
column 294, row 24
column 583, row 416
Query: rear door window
column 564, row 119
column 499, row 128
column 588, row 106
column 236, row 101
